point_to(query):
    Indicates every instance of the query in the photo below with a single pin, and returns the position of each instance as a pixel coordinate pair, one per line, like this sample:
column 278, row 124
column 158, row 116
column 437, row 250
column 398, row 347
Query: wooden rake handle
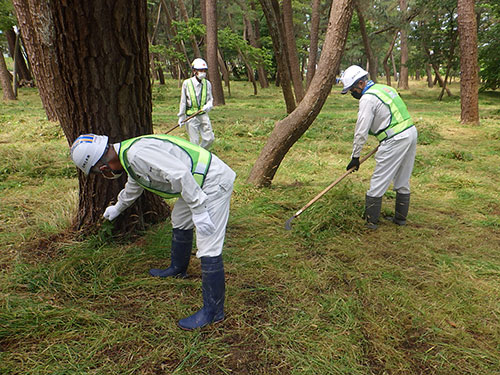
column 288, row 224
column 186, row 119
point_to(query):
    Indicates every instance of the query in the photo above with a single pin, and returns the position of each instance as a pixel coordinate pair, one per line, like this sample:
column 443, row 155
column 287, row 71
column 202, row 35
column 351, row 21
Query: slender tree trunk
column 21, row 67
column 91, row 60
column 185, row 18
column 314, row 39
column 403, row 75
column 212, row 48
column 287, row 131
column 172, row 33
column 386, row 58
column 255, row 27
column 8, row 93
column 291, row 47
column 252, row 37
column 451, row 55
column 436, row 70
column 203, row 11
column 469, row 70
column 428, row 72
column 276, row 30
column 394, row 70
column 372, row 61
column 224, row 71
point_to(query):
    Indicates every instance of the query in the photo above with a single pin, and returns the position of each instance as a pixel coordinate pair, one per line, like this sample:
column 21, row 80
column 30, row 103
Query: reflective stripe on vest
column 200, row 160
column 195, row 106
column 400, row 118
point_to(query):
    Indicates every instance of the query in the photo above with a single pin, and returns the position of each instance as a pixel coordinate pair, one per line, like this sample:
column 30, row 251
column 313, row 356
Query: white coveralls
column 395, row 156
column 167, row 167
column 199, row 125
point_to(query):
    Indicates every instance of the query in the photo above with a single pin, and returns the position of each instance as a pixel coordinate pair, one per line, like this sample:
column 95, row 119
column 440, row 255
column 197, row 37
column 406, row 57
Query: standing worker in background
column 383, row 113
column 172, row 167
column 196, row 95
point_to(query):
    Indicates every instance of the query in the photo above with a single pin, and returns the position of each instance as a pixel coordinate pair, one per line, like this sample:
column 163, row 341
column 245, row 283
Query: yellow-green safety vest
column 200, row 160
column 400, row 118
column 195, row 106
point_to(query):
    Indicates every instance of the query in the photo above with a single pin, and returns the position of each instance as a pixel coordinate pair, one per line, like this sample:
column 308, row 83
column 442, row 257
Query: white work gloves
column 206, row 108
column 111, row 213
column 181, row 120
column 203, row 223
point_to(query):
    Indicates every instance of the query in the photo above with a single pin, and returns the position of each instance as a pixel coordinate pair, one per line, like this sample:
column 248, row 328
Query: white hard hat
column 350, row 76
column 87, row 149
column 199, row 64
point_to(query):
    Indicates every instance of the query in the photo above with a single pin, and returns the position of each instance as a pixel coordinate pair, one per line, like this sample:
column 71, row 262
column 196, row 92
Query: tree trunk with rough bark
column 372, row 61
column 276, row 30
column 287, row 131
column 5, row 80
column 291, row 47
column 469, row 70
column 212, row 50
column 91, row 59
column 314, row 40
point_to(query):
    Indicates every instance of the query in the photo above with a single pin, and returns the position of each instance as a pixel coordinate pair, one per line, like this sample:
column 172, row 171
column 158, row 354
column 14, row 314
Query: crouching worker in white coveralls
column 172, row 167
column 383, row 113
column 196, row 96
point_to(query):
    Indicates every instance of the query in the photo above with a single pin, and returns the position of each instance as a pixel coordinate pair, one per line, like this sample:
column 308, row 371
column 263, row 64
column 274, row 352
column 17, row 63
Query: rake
column 288, row 224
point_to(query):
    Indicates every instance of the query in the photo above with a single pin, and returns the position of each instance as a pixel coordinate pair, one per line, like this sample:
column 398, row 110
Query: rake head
column 288, row 224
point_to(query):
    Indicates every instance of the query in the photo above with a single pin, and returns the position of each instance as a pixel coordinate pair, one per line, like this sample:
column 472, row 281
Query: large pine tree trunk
column 276, row 30
column 287, row 131
column 38, row 35
column 91, row 60
column 469, row 71
column 5, row 80
column 313, row 44
column 291, row 47
column 372, row 61
column 212, row 51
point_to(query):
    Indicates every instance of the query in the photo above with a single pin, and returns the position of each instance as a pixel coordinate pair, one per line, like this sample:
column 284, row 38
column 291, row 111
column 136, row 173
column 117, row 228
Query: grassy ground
column 328, row 297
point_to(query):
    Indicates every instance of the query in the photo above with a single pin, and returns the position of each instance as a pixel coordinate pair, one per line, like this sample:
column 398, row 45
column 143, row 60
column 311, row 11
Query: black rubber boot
column 373, row 206
column 213, row 290
column 401, row 209
column 180, row 253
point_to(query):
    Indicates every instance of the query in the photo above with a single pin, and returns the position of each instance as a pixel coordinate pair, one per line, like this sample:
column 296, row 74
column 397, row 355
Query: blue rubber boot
column 213, row 290
column 180, row 253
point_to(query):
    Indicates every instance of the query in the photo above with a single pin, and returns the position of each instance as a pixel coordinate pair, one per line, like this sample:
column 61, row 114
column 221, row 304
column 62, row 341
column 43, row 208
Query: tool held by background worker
column 288, row 224
column 185, row 120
